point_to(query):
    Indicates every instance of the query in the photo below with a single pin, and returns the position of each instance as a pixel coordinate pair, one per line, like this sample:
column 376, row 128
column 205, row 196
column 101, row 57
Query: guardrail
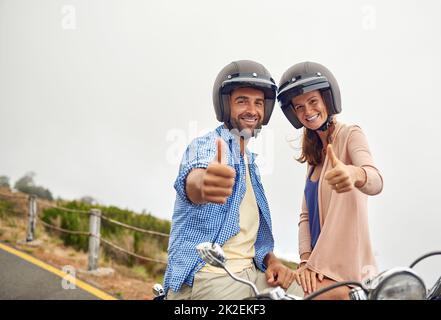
column 95, row 239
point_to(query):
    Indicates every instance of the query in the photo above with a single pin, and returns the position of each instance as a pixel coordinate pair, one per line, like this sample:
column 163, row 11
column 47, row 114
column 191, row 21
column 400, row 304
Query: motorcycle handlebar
column 424, row 257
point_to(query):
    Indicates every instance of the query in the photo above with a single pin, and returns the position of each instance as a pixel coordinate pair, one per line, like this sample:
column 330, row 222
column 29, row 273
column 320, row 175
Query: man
column 220, row 198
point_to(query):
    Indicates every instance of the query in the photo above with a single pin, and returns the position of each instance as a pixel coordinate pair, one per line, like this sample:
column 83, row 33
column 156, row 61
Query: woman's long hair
column 312, row 145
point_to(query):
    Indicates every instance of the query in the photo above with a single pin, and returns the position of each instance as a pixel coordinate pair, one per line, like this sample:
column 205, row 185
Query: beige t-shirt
column 239, row 249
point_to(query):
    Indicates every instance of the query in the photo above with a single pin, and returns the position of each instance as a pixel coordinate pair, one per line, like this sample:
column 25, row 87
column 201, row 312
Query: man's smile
column 249, row 119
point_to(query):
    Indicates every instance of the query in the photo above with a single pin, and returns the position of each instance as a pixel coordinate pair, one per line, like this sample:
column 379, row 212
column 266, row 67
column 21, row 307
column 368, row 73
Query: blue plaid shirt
column 193, row 224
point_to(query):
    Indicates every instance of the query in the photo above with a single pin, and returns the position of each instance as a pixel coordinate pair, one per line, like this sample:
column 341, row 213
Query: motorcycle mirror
column 212, row 254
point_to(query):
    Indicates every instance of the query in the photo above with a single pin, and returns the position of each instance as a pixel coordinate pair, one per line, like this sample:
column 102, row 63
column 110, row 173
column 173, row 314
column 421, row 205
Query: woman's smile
column 313, row 118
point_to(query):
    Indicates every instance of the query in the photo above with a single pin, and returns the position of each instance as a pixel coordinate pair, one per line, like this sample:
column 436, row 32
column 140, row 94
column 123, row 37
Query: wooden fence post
column 94, row 238
column 32, row 218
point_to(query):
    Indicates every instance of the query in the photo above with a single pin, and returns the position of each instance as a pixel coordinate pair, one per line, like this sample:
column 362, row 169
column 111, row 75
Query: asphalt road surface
column 21, row 279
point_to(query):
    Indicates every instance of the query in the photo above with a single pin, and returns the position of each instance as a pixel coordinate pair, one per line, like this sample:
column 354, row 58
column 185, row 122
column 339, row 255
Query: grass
column 159, row 278
column 140, row 271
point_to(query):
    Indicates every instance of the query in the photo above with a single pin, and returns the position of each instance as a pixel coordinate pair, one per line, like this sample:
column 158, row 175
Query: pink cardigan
column 343, row 251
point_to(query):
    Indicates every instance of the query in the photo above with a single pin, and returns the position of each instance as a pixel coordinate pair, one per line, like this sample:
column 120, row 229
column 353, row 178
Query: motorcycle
column 393, row 284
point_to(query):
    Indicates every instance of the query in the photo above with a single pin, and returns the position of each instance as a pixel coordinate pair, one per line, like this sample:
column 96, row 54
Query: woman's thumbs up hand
column 332, row 157
column 341, row 177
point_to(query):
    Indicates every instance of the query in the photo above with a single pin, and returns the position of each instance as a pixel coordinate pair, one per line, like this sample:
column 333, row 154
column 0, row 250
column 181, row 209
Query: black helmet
column 239, row 74
column 306, row 77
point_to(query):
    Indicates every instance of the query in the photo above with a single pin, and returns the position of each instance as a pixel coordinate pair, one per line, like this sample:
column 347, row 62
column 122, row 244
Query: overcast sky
column 101, row 98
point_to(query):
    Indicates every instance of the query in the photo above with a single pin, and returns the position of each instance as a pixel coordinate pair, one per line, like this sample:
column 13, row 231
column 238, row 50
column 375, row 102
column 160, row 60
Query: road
column 24, row 277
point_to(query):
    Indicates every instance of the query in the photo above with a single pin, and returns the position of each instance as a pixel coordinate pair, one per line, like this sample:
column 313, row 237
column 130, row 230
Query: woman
column 334, row 243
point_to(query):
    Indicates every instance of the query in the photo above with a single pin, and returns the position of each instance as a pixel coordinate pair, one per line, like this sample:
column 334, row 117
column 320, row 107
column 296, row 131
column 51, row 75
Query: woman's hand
column 342, row 177
column 307, row 278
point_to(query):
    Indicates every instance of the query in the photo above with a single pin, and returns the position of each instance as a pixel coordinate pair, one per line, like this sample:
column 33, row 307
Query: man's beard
column 245, row 132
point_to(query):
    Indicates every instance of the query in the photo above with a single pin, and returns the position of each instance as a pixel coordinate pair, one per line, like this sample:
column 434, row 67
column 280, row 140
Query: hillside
column 132, row 279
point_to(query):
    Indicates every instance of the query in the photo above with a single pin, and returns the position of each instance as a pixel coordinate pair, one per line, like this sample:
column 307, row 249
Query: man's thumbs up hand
column 221, row 156
column 218, row 180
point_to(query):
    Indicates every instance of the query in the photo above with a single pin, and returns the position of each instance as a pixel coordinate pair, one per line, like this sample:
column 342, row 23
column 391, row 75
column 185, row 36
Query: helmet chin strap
column 325, row 124
column 255, row 133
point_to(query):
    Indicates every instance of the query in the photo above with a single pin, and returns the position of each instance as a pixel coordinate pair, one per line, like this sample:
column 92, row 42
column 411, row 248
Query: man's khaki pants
column 216, row 286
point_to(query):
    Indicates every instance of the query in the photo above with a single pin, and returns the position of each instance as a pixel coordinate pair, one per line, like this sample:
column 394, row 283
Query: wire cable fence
column 51, row 226
column 94, row 235
column 107, row 242
column 66, row 209
column 134, row 228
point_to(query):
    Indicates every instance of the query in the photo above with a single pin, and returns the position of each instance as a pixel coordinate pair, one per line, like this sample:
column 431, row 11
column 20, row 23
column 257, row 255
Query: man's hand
column 214, row 184
column 277, row 274
column 342, row 177
column 218, row 180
